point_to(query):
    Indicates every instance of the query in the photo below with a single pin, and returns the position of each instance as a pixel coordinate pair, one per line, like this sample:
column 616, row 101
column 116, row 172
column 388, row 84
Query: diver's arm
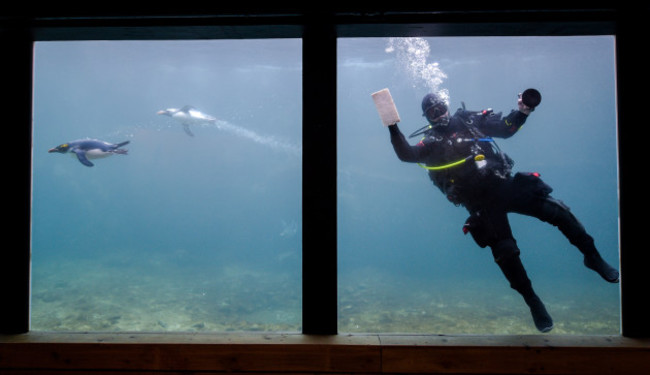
column 493, row 125
column 405, row 152
column 496, row 126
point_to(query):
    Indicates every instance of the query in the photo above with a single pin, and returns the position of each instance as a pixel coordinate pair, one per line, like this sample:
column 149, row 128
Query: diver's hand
column 523, row 108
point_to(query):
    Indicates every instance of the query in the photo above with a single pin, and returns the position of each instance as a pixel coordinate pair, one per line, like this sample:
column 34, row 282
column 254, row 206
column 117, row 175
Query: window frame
column 319, row 33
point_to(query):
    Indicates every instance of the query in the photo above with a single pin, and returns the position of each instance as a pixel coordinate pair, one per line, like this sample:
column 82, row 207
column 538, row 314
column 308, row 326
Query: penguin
column 187, row 116
column 86, row 149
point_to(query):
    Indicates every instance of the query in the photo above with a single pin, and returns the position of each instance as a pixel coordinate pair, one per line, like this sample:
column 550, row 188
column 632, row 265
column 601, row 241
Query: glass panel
column 404, row 263
column 192, row 229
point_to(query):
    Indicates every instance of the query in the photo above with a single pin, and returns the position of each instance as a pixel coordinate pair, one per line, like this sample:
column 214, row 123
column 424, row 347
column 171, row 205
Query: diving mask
column 437, row 115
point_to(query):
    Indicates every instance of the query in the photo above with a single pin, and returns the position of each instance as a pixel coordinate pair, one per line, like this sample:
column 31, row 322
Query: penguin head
column 167, row 112
column 63, row 148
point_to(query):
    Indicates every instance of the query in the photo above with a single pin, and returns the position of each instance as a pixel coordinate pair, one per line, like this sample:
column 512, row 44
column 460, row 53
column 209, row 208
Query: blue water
column 405, row 236
column 190, row 230
column 203, row 233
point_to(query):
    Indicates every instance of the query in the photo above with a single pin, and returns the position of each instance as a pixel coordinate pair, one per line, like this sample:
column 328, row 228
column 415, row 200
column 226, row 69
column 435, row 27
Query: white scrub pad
column 386, row 107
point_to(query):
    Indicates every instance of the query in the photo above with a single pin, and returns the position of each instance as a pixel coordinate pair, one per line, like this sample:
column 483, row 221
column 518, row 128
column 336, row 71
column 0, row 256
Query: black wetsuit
column 467, row 166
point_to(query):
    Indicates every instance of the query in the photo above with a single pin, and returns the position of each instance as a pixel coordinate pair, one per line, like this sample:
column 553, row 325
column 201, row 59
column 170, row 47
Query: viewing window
column 195, row 223
column 404, row 264
column 190, row 219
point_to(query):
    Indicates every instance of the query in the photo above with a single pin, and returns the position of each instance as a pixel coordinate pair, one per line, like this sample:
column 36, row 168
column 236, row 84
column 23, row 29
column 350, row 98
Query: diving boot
column 541, row 318
column 595, row 262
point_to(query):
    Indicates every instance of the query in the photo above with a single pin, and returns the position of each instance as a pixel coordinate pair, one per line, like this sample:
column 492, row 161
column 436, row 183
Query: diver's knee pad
column 555, row 212
column 558, row 214
column 505, row 249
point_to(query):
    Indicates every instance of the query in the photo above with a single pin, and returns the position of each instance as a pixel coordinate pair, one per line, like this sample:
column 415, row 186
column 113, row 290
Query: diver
column 465, row 163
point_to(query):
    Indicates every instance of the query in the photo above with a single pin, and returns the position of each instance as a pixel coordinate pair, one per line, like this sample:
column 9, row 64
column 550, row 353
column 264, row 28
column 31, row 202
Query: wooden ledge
column 49, row 353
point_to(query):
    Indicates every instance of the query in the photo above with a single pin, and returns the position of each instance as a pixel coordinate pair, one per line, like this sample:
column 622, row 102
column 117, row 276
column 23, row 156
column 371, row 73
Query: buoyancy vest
column 463, row 158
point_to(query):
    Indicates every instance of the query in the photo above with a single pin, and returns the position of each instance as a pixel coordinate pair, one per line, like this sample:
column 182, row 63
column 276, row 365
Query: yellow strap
column 450, row 165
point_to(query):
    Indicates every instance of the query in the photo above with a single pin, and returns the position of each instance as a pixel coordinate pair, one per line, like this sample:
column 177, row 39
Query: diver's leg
column 555, row 212
column 506, row 255
column 529, row 195
column 491, row 228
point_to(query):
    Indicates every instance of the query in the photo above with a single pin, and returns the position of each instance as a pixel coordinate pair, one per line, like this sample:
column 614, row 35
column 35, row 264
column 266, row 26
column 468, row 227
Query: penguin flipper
column 186, row 108
column 81, row 155
column 186, row 127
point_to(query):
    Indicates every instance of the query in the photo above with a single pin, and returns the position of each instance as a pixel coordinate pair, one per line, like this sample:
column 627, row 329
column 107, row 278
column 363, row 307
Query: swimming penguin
column 86, row 149
column 187, row 116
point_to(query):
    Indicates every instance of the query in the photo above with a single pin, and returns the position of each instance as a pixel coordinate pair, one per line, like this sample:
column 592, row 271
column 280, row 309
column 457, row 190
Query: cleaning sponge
column 386, row 107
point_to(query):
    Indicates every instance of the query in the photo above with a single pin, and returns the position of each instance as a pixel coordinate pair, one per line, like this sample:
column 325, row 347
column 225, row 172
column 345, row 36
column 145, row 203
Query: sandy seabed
column 91, row 296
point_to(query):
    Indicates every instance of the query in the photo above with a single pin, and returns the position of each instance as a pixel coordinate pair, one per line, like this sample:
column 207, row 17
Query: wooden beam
column 44, row 353
column 514, row 355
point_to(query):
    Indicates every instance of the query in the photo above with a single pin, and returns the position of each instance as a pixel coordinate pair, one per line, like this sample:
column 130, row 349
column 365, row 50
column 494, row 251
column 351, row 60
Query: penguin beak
column 53, row 150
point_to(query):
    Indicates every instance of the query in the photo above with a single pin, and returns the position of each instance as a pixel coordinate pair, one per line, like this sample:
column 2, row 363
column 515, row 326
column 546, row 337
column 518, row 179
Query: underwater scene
column 404, row 263
column 194, row 225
